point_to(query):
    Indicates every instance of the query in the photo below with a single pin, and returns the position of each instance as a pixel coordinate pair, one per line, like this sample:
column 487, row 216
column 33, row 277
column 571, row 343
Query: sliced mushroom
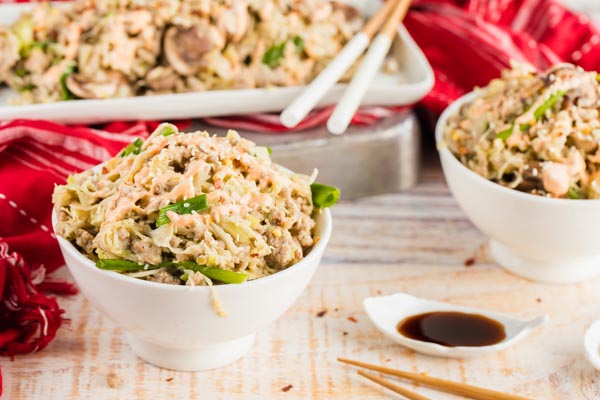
column 185, row 47
column 112, row 84
column 531, row 178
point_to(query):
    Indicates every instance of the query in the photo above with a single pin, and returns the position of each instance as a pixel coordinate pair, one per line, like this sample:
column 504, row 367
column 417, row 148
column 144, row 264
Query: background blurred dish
column 544, row 239
column 412, row 81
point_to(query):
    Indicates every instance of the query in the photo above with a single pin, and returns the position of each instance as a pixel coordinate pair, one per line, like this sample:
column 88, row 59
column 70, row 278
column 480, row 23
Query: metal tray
column 381, row 158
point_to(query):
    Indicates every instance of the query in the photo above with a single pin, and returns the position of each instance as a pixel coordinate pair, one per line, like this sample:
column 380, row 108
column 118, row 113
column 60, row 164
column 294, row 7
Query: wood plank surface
column 415, row 242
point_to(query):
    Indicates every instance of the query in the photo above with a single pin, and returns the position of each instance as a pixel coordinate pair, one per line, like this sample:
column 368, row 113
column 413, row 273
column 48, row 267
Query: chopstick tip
column 336, row 126
column 289, row 119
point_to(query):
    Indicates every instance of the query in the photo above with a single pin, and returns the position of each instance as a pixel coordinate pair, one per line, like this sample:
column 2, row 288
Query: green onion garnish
column 298, row 42
column 505, row 134
column 549, row 103
column 197, row 204
column 65, row 93
column 123, row 265
column 168, row 130
column 573, row 194
column 324, row 196
column 274, row 55
column 218, row 274
column 133, row 148
column 276, row 52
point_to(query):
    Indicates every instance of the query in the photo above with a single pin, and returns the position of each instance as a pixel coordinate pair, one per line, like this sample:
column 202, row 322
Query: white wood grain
column 415, row 242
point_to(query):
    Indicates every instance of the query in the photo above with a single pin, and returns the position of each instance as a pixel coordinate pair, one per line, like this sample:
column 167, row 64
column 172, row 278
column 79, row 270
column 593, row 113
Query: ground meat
column 85, row 240
column 147, row 252
column 302, row 230
column 284, row 248
column 164, row 277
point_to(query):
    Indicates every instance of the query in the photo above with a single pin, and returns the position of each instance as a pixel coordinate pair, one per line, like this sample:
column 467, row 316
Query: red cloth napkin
column 466, row 42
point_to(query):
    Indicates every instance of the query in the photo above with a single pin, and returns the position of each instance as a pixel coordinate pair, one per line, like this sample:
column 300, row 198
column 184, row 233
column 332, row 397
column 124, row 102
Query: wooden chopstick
column 398, row 14
column 463, row 389
column 393, row 387
column 314, row 92
column 377, row 20
column 355, row 91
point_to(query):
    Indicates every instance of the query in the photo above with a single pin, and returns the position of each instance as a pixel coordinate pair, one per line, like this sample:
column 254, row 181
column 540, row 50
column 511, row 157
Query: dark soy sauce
column 452, row 329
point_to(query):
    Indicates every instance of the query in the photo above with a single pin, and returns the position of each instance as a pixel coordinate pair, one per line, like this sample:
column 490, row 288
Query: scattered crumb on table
column 345, row 333
column 286, row 388
column 169, row 379
column 469, row 262
column 538, row 300
column 352, row 319
column 321, row 313
column 113, row 379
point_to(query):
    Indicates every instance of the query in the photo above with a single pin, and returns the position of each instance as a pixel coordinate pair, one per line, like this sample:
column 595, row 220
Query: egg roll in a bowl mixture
column 191, row 208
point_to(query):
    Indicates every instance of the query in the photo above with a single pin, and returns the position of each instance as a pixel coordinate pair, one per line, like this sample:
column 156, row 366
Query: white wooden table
column 415, row 242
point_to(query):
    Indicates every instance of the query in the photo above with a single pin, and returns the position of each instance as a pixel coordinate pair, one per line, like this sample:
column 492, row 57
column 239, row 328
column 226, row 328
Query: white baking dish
column 413, row 80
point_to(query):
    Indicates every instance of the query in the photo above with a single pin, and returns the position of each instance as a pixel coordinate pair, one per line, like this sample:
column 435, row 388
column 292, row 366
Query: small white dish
column 387, row 311
column 544, row 239
column 413, row 80
column 591, row 344
column 177, row 327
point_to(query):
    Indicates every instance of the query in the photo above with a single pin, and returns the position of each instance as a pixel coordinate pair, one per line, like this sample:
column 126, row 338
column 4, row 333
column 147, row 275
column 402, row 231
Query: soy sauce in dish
column 452, row 329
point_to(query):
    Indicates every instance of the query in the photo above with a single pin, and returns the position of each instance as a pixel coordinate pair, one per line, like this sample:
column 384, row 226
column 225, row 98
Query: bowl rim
column 323, row 232
column 444, row 152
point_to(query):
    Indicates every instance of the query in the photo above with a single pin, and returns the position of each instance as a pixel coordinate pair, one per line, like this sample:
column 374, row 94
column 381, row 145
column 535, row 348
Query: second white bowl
column 544, row 239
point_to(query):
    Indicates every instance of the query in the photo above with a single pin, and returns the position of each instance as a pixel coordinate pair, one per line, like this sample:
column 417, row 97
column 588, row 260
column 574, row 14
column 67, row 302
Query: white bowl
column 176, row 327
column 544, row 239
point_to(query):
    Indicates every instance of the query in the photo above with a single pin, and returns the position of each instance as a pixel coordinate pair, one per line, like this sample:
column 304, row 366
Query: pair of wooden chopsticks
column 393, row 11
column 443, row 385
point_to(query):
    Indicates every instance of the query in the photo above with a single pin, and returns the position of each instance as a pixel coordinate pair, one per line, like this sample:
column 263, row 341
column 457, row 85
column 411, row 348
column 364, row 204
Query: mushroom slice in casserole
column 181, row 204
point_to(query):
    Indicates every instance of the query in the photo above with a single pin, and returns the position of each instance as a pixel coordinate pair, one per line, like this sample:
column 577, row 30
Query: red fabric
column 467, row 43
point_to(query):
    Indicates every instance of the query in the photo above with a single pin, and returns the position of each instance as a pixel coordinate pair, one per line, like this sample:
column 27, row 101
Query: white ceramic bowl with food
column 176, row 326
column 544, row 239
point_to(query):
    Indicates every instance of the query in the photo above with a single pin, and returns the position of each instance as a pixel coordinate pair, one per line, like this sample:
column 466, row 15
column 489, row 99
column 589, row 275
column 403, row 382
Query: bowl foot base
column 547, row 271
column 194, row 359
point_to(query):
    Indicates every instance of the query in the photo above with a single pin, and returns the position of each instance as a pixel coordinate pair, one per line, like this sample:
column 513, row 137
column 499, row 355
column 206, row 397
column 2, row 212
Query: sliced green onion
column 573, row 194
column 324, row 196
column 65, row 93
column 549, row 103
column 269, row 150
column 217, row 274
column 123, row 265
column 133, row 148
column 197, row 204
column 168, row 130
column 274, row 55
column 298, row 42
column 505, row 134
